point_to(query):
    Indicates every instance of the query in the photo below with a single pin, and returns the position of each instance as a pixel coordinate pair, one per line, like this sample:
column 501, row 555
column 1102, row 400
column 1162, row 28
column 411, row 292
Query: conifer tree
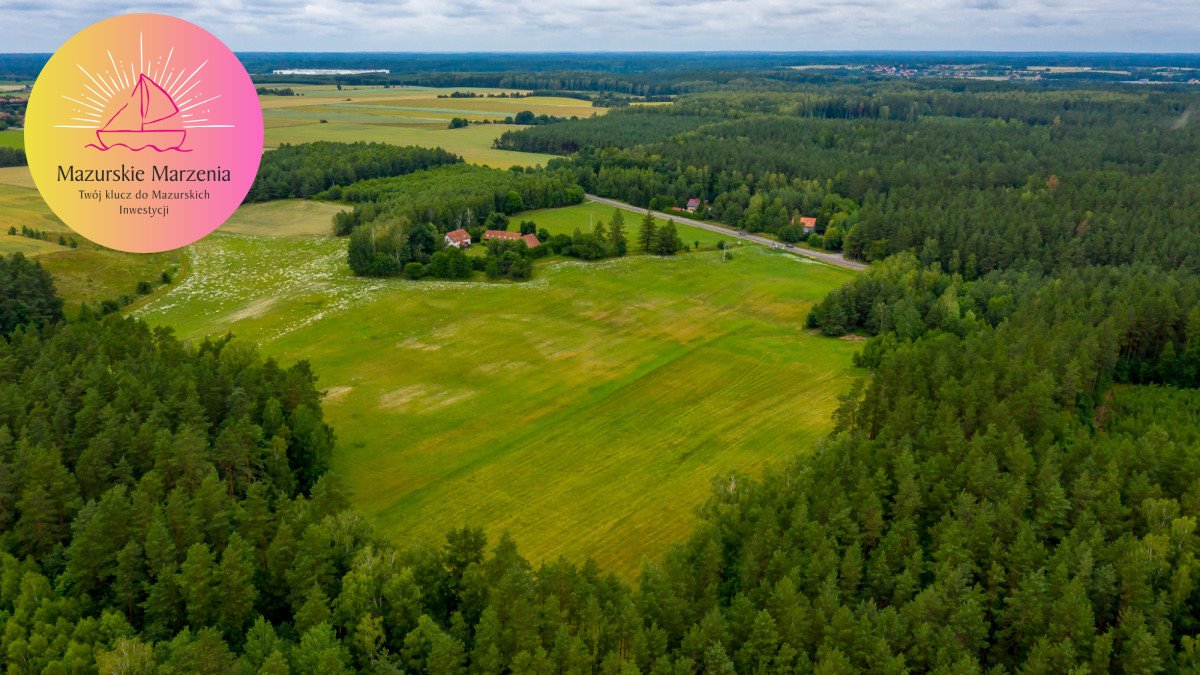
column 647, row 233
column 618, row 242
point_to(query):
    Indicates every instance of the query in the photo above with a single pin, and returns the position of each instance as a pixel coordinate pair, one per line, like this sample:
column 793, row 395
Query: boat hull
column 139, row 140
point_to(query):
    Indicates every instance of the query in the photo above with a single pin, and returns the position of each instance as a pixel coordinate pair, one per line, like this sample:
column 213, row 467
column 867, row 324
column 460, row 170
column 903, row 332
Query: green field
column 88, row 273
column 94, row 274
column 17, row 176
column 586, row 411
column 12, row 138
column 585, row 216
column 473, row 143
column 401, row 116
column 408, row 116
column 283, row 218
column 24, row 207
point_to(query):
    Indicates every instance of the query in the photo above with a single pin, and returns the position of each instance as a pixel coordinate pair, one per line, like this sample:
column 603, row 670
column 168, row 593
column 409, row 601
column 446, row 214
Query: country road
column 831, row 258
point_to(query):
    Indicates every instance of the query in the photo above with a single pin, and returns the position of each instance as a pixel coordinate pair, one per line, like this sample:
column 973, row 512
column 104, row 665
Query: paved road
column 831, row 258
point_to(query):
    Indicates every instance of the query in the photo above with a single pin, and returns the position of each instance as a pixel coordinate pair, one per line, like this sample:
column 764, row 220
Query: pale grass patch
column 421, row 398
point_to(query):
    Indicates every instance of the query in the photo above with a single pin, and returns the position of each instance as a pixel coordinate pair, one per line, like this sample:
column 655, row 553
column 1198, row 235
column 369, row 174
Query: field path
column 831, row 258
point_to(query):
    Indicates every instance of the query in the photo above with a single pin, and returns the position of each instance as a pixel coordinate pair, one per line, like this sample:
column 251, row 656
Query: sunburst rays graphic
column 147, row 103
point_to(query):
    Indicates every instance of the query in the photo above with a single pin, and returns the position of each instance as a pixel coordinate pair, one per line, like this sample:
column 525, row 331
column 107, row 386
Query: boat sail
column 149, row 119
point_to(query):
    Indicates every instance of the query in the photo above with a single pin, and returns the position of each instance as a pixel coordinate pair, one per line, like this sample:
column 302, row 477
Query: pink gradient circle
column 143, row 133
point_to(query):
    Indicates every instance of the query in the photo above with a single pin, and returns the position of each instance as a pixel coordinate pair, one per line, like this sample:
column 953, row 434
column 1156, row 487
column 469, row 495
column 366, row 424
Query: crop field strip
column 408, row 116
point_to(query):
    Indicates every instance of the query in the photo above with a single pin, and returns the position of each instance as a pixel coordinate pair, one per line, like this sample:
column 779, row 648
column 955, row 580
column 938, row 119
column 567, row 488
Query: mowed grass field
column 17, row 176
column 12, row 138
column 283, row 218
column 474, row 144
column 408, row 116
column 586, row 412
column 587, row 215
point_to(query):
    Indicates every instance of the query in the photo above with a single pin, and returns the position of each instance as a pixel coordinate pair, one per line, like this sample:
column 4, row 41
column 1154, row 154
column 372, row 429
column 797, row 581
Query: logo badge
column 143, row 133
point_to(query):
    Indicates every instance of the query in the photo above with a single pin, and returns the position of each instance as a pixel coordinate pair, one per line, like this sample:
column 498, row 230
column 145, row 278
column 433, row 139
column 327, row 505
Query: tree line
column 402, row 220
column 303, row 171
column 452, row 197
column 12, row 157
column 976, row 180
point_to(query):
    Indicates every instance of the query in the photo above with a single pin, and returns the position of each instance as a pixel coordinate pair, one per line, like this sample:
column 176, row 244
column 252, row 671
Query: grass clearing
column 586, row 411
column 93, row 274
column 17, row 176
column 23, row 206
column 15, row 243
column 585, row 216
column 88, row 273
column 12, row 138
column 283, row 218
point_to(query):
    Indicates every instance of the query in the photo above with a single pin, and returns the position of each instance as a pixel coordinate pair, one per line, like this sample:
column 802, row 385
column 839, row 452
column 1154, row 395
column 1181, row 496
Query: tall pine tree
column 647, row 233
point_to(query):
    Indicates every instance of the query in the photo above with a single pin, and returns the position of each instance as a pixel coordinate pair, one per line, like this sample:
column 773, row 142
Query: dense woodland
column 975, row 180
column 1044, row 521
column 29, row 298
column 310, row 168
column 12, row 157
column 1011, row 487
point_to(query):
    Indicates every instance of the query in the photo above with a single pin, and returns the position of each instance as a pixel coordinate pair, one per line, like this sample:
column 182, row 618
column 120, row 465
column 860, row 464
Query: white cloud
column 641, row 25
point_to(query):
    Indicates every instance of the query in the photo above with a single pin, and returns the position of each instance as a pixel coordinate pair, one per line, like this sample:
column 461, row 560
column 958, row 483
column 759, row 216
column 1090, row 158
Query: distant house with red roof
column 692, row 205
column 809, row 224
column 500, row 234
column 458, row 239
column 531, row 240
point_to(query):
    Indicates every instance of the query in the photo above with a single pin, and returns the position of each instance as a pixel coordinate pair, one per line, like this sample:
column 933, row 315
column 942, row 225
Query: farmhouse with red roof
column 500, row 234
column 692, row 205
column 458, row 239
column 809, row 224
column 531, row 240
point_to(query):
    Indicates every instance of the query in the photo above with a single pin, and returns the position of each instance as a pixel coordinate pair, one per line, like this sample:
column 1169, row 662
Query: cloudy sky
column 641, row 25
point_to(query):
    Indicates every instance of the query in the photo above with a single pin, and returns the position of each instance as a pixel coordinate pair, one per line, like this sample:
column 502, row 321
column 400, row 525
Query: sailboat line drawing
column 149, row 119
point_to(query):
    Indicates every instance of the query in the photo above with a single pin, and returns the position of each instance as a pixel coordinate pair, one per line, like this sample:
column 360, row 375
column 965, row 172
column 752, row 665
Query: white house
column 458, row 239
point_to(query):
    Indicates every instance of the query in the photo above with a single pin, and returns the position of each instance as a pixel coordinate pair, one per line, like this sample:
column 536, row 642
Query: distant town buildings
column 1001, row 71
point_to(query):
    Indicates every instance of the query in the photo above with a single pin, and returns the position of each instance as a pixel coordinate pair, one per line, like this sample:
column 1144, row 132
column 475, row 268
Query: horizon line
column 759, row 52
